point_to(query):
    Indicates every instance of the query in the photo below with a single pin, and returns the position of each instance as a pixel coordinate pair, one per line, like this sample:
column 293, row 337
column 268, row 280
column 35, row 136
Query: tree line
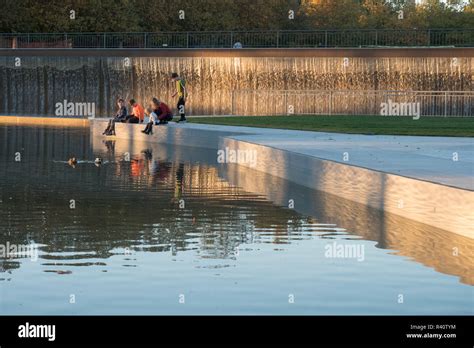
column 32, row 16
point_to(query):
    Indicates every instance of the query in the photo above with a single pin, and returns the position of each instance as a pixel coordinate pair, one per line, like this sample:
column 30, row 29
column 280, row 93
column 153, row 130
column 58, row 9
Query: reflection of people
column 182, row 94
column 138, row 113
column 158, row 170
column 151, row 166
column 161, row 170
column 110, row 145
column 178, row 189
column 136, row 167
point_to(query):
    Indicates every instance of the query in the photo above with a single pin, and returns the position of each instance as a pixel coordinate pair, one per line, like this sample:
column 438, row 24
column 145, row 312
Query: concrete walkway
column 443, row 160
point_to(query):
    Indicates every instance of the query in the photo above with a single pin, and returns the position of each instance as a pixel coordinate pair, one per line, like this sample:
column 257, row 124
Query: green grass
column 435, row 126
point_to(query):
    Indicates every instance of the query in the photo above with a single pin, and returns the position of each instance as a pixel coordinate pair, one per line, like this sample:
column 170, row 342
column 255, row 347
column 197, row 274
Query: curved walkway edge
column 426, row 179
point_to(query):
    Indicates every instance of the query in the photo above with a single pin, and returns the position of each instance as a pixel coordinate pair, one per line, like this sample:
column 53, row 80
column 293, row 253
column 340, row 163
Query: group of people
column 158, row 112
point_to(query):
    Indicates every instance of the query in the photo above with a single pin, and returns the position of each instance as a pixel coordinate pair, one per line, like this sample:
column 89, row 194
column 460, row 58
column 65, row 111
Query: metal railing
column 325, row 102
column 247, row 39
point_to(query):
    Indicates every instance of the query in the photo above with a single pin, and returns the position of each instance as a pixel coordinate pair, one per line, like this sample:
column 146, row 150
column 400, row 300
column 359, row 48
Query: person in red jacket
column 163, row 112
column 159, row 114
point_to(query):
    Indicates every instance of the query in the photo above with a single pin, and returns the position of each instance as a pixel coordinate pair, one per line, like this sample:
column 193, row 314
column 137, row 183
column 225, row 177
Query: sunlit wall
column 40, row 82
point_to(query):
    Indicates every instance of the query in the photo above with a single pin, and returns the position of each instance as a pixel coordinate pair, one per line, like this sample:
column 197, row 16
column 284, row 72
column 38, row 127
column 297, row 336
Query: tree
column 333, row 14
column 377, row 14
column 222, row 15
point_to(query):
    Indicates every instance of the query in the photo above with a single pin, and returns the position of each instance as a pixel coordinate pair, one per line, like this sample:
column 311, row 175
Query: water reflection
column 155, row 208
column 444, row 251
column 145, row 203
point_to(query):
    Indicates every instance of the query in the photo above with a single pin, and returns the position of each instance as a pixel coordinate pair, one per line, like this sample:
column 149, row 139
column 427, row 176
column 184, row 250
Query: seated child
column 159, row 113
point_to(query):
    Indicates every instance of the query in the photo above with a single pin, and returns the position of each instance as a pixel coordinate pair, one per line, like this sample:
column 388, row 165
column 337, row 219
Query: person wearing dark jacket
column 120, row 116
column 122, row 113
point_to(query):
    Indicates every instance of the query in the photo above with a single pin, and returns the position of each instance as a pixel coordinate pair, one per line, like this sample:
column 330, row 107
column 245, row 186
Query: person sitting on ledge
column 163, row 112
column 159, row 114
column 120, row 116
column 138, row 113
column 152, row 117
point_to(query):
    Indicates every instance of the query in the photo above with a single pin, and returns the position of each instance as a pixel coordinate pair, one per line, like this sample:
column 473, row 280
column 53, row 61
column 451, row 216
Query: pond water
column 161, row 229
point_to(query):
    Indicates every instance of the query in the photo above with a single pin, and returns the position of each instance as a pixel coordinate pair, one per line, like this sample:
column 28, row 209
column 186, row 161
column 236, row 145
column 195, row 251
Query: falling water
column 40, row 82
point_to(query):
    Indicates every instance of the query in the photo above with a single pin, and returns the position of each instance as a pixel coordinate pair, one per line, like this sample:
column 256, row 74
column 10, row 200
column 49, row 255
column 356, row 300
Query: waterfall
column 40, row 82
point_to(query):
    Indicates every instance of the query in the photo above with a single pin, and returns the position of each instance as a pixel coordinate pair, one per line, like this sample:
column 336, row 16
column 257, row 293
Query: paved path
column 444, row 160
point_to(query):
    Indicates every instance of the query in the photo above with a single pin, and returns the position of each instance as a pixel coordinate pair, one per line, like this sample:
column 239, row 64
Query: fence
column 248, row 39
column 322, row 102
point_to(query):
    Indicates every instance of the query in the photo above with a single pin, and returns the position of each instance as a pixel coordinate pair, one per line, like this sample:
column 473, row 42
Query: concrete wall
column 49, row 76
column 44, row 121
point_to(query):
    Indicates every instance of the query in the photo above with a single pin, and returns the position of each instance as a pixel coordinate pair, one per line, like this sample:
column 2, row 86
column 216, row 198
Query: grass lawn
column 440, row 126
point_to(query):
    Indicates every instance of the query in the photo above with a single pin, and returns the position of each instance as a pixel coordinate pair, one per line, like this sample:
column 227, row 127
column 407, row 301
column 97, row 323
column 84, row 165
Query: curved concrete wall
column 390, row 231
column 437, row 205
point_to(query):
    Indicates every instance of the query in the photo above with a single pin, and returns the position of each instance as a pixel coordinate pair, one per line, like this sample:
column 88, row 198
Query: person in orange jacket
column 138, row 113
